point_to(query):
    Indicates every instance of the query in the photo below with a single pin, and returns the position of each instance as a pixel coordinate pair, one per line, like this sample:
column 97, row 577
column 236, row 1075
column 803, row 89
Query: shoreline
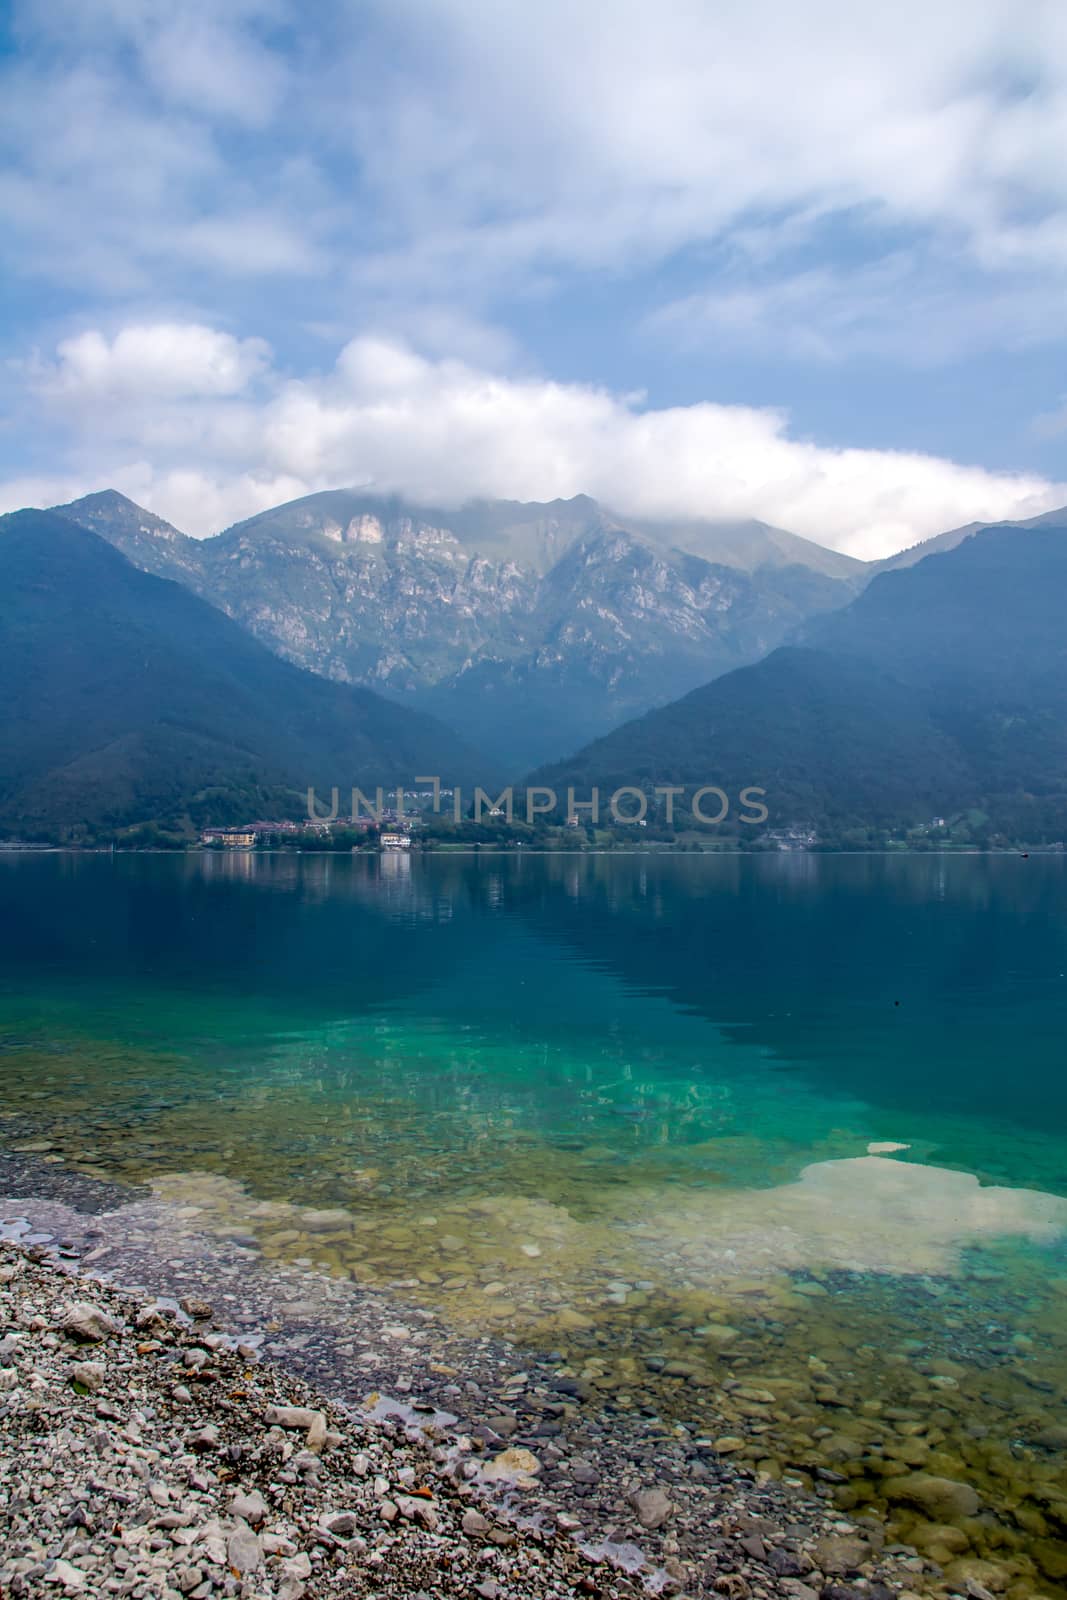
column 1021, row 850
column 638, row 1510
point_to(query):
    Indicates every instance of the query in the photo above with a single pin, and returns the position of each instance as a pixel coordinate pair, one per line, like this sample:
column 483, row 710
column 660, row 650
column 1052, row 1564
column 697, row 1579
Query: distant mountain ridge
column 748, row 546
column 124, row 698
column 942, row 542
column 528, row 627
column 941, row 688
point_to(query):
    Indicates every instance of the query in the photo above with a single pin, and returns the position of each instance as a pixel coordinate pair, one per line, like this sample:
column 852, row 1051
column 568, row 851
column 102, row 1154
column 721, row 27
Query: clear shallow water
column 619, row 1106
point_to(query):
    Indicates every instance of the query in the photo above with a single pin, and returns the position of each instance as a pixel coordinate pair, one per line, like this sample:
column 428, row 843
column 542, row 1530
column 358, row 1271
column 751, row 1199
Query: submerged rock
column 518, row 1465
column 943, row 1499
column 838, row 1554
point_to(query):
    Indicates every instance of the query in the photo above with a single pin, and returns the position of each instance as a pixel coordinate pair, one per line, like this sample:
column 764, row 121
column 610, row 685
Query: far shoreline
column 1022, row 852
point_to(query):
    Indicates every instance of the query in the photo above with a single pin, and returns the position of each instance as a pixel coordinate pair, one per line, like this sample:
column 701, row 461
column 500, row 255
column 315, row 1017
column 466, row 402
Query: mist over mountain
column 529, row 627
column 125, row 698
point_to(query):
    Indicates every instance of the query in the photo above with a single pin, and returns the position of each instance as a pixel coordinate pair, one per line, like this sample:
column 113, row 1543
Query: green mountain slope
column 942, row 542
column 942, row 687
column 125, row 697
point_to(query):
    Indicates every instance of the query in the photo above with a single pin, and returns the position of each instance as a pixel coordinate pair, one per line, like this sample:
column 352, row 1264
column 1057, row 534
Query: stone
column 720, row 1334
column 316, row 1434
column 417, row 1510
column 73, row 1579
column 788, row 1563
column 943, row 1499
column 244, row 1553
column 734, row 1585
column 939, row 1540
column 977, row 1578
column 295, row 1573
column 199, row 1310
column 474, row 1523
column 343, row 1524
column 325, row 1221
column 1051, row 1557
column 838, row 1554
column 515, row 1465
column 502, row 1425
column 250, row 1508
column 840, row 1447
column 88, row 1375
column 652, row 1507
column 295, row 1417
column 84, row 1321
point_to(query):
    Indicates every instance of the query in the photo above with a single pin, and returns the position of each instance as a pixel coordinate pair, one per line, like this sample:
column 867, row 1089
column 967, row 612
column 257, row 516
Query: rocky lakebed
column 148, row 1448
column 181, row 1416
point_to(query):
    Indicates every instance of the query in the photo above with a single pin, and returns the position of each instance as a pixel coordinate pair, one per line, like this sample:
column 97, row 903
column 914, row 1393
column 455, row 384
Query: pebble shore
column 145, row 1450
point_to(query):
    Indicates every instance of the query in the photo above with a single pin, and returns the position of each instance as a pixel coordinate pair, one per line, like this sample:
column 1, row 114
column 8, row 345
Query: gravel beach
column 148, row 1451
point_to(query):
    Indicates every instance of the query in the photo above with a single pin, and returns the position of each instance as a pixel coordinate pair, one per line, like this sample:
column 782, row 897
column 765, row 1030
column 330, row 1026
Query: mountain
column 146, row 539
column 124, row 697
column 528, row 627
column 941, row 688
column 749, row 545
column 943, row 542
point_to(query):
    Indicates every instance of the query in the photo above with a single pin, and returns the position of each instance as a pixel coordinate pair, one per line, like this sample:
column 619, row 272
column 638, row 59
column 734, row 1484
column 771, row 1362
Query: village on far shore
column 389, row 834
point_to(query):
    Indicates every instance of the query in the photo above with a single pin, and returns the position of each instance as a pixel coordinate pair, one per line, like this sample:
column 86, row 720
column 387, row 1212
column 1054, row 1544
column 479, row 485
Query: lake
column 770, row 1146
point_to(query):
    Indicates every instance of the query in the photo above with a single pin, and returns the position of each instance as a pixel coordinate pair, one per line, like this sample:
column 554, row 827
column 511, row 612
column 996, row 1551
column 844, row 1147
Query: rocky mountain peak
column 528, row 626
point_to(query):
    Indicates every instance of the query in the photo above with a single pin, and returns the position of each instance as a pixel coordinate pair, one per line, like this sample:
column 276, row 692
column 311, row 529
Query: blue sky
column 805, row 263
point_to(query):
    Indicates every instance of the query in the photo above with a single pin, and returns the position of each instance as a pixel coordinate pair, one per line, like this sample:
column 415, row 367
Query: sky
column 702, row 258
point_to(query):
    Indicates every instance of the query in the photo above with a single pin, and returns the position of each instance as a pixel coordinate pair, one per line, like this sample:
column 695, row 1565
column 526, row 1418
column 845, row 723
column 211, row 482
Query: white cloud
column 196, row 501
column 441, row 431
column 462, row 149
column 127, row 156
column 196, row 61
column 823, row 181
column 902, row 309
column 149, row 362
column 593, row 137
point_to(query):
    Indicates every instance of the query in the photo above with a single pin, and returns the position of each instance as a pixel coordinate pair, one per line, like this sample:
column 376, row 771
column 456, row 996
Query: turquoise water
column 616, row 1102
column 656, row 1001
